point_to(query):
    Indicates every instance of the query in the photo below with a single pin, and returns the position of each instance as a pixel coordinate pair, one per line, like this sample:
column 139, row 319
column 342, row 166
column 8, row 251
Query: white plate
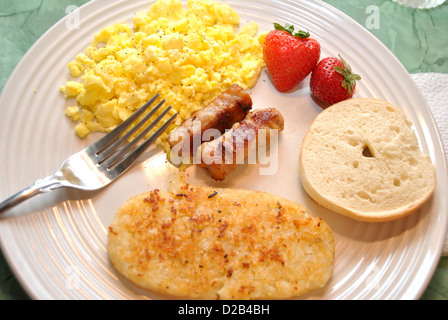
column 56, row 243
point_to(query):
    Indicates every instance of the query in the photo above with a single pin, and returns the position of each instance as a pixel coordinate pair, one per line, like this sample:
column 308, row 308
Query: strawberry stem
column 350, row 78
column 290, row 29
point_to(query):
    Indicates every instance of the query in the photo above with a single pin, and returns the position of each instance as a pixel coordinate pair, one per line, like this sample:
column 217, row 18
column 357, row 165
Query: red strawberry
column 332, row 80
column 290, row 57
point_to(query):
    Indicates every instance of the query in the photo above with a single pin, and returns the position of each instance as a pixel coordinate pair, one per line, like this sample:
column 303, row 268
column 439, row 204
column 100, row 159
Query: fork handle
column 40, row 186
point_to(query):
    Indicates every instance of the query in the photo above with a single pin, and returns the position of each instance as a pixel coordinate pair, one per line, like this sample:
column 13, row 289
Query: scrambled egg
column 187, row 56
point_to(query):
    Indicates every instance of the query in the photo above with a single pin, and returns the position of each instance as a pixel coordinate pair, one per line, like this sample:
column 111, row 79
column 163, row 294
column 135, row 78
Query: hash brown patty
column 211, row 243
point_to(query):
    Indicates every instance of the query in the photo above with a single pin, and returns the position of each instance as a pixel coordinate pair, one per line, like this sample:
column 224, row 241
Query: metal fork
column 103, row 161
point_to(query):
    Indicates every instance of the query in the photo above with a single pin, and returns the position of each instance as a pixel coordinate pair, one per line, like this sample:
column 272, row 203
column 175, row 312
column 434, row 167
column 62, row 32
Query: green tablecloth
column 418, row 38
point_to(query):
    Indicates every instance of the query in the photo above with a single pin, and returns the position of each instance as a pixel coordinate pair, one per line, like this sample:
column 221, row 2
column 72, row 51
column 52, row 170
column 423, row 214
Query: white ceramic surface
column 56, row 243
column 420, row 4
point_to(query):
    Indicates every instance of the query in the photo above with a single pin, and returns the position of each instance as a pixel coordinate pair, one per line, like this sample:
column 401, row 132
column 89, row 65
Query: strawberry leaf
column 290, row 29
column 302, row 34
column 339, row 69
column 350, row 78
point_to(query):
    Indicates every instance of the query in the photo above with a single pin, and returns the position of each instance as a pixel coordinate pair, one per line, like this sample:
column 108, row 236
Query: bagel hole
column 366, row 152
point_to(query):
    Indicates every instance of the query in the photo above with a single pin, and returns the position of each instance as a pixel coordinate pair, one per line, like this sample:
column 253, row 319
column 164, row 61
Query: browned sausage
column 221, row 156
column 228, row 108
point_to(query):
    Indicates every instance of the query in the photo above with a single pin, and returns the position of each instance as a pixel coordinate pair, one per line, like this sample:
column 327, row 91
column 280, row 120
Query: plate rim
column 55, row 29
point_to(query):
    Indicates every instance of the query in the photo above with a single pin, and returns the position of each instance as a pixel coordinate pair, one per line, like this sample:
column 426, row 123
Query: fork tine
column 109, row 150
column 116, row 158
column 121, row 167
column 112, row 136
